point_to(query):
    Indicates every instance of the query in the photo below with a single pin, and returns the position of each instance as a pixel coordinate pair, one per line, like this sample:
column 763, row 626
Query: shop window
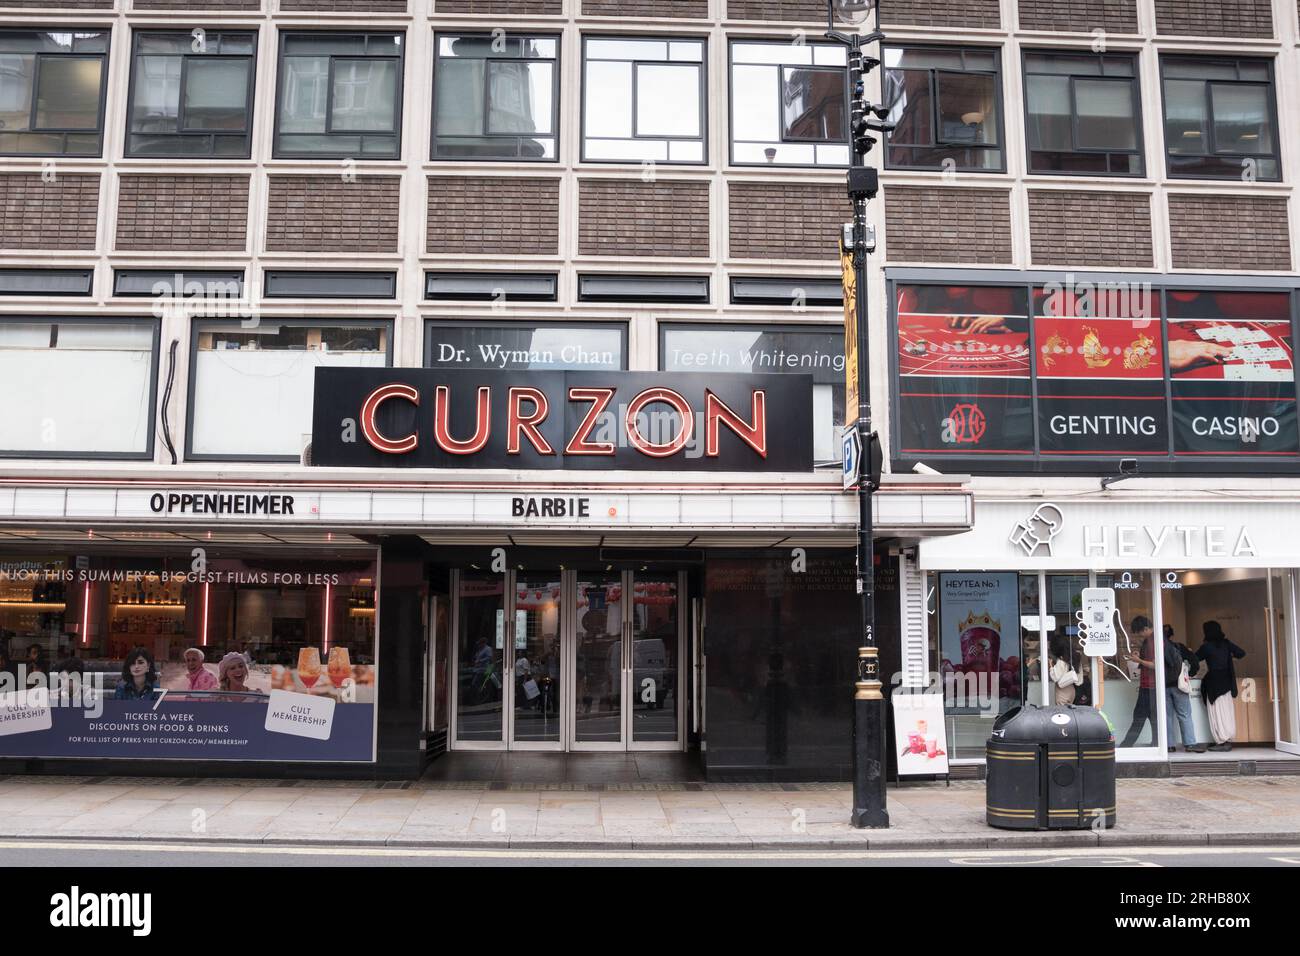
column 54, row 373
column 643, row 100
column 52, row 88
column 789, row 104
column 946, row 109
column 224, row 638
column 340, row 95
column 251, row 388
column 496, row 97
column 812, row 350
column 516, row 346
column 191, row 96
column 1220, row 118
column 1082, row 113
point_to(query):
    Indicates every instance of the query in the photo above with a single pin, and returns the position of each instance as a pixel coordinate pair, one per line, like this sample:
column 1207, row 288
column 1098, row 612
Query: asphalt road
column 29, row 853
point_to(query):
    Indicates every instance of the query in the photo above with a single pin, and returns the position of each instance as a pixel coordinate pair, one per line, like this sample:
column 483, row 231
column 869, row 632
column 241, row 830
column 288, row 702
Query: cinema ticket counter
column 1005, row 599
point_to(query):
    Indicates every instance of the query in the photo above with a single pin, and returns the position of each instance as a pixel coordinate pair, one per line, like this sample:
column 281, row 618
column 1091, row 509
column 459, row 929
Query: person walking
column 1219, row 685
column 1144, row 709
column 1178, row 661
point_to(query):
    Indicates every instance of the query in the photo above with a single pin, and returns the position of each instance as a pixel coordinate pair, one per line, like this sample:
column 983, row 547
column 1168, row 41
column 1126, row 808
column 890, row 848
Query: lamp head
column 852, row 13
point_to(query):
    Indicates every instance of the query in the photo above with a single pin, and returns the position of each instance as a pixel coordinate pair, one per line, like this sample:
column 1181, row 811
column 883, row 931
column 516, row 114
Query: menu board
column 1232, row 370
column 1101, row 378
column 964, row 370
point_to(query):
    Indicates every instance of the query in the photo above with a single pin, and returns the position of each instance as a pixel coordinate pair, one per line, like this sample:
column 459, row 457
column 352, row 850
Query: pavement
column 1174, row 813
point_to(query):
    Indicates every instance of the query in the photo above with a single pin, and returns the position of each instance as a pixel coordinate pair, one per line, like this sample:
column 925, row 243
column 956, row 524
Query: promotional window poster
column 979, row 641
column 1232, row 365
column 240, row 660
column 1101, row 378
column 964, row 371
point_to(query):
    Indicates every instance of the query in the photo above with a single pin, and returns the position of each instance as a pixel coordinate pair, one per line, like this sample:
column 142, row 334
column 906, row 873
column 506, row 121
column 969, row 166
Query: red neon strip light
column 327, row 619
column 85, row 616
column 206, row 588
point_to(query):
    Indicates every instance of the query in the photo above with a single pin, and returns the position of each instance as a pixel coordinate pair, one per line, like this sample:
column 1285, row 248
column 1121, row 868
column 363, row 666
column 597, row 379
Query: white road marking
column 1055, row 855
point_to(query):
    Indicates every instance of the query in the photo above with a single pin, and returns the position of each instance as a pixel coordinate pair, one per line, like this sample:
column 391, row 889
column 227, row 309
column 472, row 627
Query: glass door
column 626, row 661
column 1282, row 663
column 534, row 662
column 480, row 660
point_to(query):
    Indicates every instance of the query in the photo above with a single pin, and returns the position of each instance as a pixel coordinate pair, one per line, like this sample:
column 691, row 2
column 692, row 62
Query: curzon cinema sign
column 609, row 421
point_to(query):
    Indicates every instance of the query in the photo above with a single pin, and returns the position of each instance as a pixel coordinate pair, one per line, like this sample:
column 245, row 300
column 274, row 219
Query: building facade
column 320, row 320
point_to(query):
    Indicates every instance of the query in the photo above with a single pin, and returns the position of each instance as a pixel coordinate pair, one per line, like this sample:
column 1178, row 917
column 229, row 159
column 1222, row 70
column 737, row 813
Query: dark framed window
column 1220, row 118
column 644, row 100
column 191, row 95
column 946, row 109
column 523, row 346
column 1083, row 114
column 250, row 389
column 46, row 281
column 52, row 87
column 339, row 95
column 496, row 97
column 302, row 284
column 766, row 349
column 53, row 372
column 492, row 286
column 789, row 104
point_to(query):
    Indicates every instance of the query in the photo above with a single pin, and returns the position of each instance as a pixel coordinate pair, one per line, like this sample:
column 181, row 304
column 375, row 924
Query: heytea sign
column 433, row 418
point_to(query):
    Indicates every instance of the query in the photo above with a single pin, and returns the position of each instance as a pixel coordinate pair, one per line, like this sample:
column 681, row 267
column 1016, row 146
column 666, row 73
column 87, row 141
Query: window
column 1220, row 119
column 251, row 389
column 52, row 93
column 292, row 284
column 643, row 100
column 1083, row 115
column 789, row 104
column 519, row 346
column 191, row 96
column 496, row 97
column 811, row 350
column 52, row 373
column 340, row 95
column 946, row 109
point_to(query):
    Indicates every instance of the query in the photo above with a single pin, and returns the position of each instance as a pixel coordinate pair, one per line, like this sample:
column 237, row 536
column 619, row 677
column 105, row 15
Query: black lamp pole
column 856, row 242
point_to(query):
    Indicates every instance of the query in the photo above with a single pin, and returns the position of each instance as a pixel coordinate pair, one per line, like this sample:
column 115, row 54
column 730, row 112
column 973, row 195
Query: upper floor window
column 789, row 104
column 643, row 100
column 191, row 95
column 946, row 109
column 1082, row 113
column 52, row 93
column 1220, row 118
column 496, row 97
column 340, row 95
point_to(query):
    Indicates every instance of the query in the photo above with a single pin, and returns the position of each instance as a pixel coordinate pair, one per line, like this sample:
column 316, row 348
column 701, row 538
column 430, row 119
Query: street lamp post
column 856, row 242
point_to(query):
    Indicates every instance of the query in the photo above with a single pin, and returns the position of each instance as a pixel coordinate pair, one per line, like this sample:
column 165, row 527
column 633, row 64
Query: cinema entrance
column 567, row 659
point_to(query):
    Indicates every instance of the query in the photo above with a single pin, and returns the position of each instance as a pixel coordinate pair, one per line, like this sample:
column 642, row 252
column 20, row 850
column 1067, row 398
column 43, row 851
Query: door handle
column 1272, row 648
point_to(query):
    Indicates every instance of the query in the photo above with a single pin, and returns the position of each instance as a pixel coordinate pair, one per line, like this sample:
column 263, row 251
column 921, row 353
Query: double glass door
column 568, row 660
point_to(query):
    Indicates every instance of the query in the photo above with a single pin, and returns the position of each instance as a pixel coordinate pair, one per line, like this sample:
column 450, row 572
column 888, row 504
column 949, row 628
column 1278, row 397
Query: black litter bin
column 1051, row 768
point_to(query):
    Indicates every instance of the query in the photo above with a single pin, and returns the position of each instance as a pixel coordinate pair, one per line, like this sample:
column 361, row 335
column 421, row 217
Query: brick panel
column 948, row 224
column 182, row 213
column 981, row 14
column 792, row 11
column 494, row 215
column 786, row 220
column 519, row 8
column 1215, row 18
column 628, row 217
column 329, row 214
column 56, row 4
column 344, row 6
column 187, row 5
column 1084, row 228
column 1229, row 232
column 1079, row 16
column 671, row 9
column 35, row 214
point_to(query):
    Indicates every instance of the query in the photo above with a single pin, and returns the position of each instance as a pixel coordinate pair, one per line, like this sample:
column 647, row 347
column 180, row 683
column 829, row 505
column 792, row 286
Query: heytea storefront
column 505, row 561
column 1005, row 602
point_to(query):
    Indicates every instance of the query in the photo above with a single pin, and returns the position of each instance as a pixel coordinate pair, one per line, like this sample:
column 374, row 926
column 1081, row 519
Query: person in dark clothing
column 1219, row 685
column 1144, row 709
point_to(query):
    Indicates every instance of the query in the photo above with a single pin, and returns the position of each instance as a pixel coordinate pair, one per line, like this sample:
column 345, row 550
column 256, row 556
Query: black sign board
column 609, row 421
